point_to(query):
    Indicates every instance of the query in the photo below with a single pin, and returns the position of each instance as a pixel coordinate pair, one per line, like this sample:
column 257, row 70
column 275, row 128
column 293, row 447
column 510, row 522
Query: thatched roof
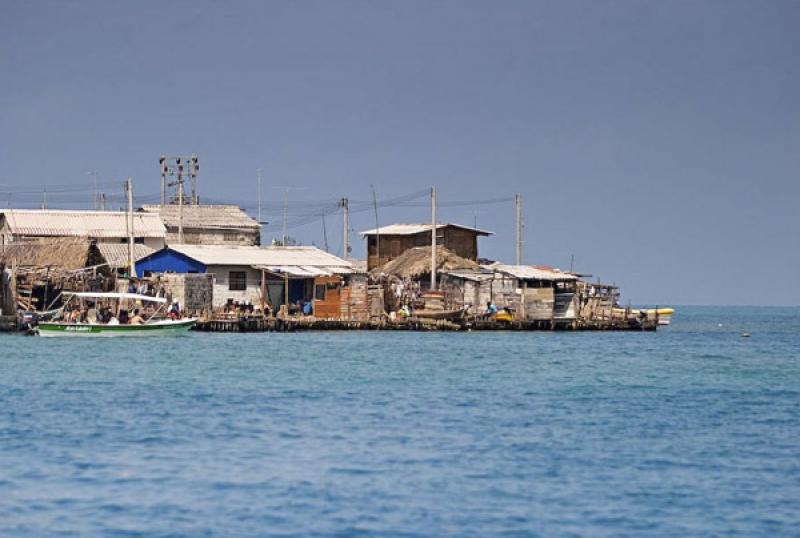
column 415, row 262
column 56, row 253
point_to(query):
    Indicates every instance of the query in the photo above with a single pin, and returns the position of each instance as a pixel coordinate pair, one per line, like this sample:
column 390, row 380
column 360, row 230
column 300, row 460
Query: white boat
column 151, row 327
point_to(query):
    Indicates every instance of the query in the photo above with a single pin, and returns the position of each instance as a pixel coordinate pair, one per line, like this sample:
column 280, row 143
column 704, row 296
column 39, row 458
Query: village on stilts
column 76, row 271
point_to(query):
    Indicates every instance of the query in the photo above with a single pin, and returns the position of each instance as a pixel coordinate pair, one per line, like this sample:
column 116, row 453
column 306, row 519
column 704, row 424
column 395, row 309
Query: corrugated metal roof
column 413, row 229
column 70, row 223
column 223, row 217
column 481, row 275
column 300, row 259
column 305, row 271
column 116, row 254
column 529, row 272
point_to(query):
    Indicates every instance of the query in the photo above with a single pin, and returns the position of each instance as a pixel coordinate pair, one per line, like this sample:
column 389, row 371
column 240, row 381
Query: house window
column 230, row 237
column 319, row 292
column 237, row 280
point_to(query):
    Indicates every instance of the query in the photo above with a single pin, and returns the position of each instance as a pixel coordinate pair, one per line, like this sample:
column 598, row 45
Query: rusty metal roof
column 413, row 229
column 530, row 272
column 70, row 223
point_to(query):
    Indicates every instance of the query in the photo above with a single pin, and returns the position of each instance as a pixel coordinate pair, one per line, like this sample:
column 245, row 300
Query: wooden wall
column 462, row 242
column 330, row 306
column 539, row 303
column 355, row 299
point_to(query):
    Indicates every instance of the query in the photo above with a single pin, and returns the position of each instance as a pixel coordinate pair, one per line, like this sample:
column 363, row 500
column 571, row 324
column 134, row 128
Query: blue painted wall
column 168, row 261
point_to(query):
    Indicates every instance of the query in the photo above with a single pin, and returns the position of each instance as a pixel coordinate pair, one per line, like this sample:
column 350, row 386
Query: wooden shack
column 407, row 277
column 389, row 242
column 596, row 300
column 38, row 270
column 532, row 293
column 341, row 297
column 546, row 293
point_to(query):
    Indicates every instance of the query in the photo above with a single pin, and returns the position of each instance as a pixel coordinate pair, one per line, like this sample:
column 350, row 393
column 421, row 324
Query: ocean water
column 691, row 431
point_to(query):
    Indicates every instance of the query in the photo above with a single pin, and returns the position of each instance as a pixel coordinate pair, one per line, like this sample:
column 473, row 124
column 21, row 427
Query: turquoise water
column 692, row 431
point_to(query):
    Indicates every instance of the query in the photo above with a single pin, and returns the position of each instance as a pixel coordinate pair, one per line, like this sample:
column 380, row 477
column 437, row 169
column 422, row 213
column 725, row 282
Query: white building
column 243, row 273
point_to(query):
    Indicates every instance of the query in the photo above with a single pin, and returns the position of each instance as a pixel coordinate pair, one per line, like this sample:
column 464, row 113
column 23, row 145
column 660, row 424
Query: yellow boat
column 664, row 314
column 504, row 315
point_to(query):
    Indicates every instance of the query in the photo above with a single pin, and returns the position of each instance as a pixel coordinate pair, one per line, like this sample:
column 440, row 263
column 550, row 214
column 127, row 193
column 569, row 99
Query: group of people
column 105, row 316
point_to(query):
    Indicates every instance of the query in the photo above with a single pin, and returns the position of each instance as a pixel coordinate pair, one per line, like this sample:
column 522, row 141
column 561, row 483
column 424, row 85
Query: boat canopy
column 111, row 295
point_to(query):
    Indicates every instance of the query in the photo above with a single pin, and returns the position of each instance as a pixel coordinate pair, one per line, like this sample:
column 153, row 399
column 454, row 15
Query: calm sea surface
column 693, row 431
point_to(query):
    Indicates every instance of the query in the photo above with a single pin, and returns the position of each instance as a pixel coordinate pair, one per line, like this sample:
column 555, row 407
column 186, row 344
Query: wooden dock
column 261, row 324
column 8, row 323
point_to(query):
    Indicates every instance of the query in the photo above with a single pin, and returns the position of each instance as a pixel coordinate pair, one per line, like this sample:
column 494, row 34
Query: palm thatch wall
column 54, row 254
column 416, row 262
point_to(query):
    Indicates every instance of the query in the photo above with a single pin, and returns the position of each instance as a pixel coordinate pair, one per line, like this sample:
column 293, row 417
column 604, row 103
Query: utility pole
column 518, row 204
column 258, row 173
column 325, row 232
column 164, row 171
column 433, row 238
column 346, row 227
column 193, row 168
column 180, row 207
column 131, row 262
column 377, row 227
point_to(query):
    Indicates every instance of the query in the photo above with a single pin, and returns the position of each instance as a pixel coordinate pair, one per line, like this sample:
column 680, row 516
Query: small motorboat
column 663, row 315
column 440, row 314
column 155, row 324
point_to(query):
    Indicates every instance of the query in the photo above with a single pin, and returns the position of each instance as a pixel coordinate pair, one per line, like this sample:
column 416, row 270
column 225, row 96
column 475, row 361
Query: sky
column 657, row 143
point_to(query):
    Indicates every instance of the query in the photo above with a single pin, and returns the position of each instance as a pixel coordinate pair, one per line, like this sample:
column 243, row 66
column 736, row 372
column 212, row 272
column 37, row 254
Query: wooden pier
column 8, row 323
column 261, row 324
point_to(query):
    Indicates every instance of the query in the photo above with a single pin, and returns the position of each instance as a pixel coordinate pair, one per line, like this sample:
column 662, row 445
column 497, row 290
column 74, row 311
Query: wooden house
column 207, row 224
column 533, row 293
column 388, row 242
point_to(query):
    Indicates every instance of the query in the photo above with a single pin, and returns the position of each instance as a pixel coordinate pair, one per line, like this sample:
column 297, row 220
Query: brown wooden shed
column 388, row 242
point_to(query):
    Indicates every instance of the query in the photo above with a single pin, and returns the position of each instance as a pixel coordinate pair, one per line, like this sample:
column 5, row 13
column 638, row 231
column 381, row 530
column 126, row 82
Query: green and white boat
column 151, row 327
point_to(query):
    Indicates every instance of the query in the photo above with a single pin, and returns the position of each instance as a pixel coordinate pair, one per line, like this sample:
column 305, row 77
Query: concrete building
column 255, row 275
column 101, row 226
column 207, row 224
column 388, row 242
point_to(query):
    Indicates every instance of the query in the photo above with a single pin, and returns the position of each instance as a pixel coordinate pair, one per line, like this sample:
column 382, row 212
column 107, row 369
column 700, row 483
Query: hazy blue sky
column 657, row 141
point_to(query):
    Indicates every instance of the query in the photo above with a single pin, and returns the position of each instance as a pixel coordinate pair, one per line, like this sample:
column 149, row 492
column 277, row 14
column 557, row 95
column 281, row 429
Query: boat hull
column 165, row 328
